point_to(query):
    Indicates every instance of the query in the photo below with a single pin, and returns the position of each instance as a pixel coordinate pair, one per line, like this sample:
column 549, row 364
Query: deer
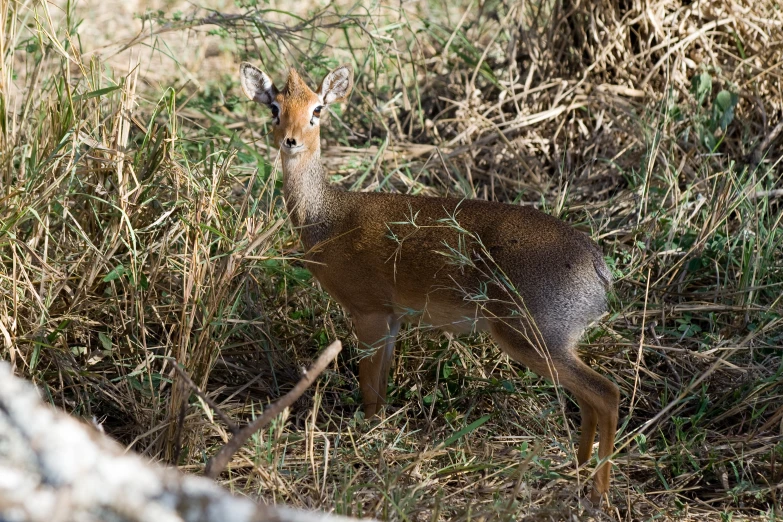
column 460, row 265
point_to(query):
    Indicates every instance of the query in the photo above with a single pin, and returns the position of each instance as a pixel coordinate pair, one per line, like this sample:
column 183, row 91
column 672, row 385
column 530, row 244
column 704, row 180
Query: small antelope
column 531, row 280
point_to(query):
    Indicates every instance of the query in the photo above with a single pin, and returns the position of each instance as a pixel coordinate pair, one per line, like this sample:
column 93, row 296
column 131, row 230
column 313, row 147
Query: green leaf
column 60, row 327
column 723, row 108
column 323, row 338
column 694, row 264
column 701, row 86
column 464, row 431
column 97, row 93
column 105, row 341
column 116, row 273
column 302, row 275
column 641, row 441
column 143, row 283
column 709, row 140
column 215, row 231
column 34, row 358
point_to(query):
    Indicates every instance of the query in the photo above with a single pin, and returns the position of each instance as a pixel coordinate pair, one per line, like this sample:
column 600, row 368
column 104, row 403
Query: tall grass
column 141, row 226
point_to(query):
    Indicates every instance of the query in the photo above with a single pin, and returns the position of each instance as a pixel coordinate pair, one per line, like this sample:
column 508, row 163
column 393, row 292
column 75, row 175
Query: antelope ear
column 337, row 85
column 256, row 84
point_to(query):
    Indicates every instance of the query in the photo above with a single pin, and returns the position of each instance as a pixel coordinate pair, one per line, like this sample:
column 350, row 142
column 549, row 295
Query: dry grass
column 140, row 222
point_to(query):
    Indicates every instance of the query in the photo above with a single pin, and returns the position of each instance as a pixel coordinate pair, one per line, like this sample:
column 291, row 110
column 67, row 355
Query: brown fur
column 529, row 279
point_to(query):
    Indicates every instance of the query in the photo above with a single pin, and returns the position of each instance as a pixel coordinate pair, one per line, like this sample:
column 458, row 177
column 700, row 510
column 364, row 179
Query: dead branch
column 218, row 463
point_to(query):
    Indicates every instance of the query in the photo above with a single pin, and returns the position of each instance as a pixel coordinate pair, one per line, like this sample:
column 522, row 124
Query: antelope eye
column 275, row 111
column 317, row 111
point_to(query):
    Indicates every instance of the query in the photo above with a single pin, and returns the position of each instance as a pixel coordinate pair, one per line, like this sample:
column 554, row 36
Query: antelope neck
column 306, row 194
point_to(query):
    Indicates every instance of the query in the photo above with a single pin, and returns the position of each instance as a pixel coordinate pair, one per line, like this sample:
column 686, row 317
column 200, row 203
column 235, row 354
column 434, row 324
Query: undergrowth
column 141, row 226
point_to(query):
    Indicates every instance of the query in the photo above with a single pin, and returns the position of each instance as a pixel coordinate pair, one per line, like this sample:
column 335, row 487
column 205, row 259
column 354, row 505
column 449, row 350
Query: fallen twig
column 218, row 463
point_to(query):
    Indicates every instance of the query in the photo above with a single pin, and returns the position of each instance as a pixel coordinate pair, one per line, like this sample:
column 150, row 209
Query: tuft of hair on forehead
column 295, row 86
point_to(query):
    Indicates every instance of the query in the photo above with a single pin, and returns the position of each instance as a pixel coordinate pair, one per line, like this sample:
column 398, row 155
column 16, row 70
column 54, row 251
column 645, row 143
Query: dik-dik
column 461, row 265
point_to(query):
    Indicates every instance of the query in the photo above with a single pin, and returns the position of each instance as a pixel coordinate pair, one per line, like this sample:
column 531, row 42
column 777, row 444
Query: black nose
column 290, row 142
